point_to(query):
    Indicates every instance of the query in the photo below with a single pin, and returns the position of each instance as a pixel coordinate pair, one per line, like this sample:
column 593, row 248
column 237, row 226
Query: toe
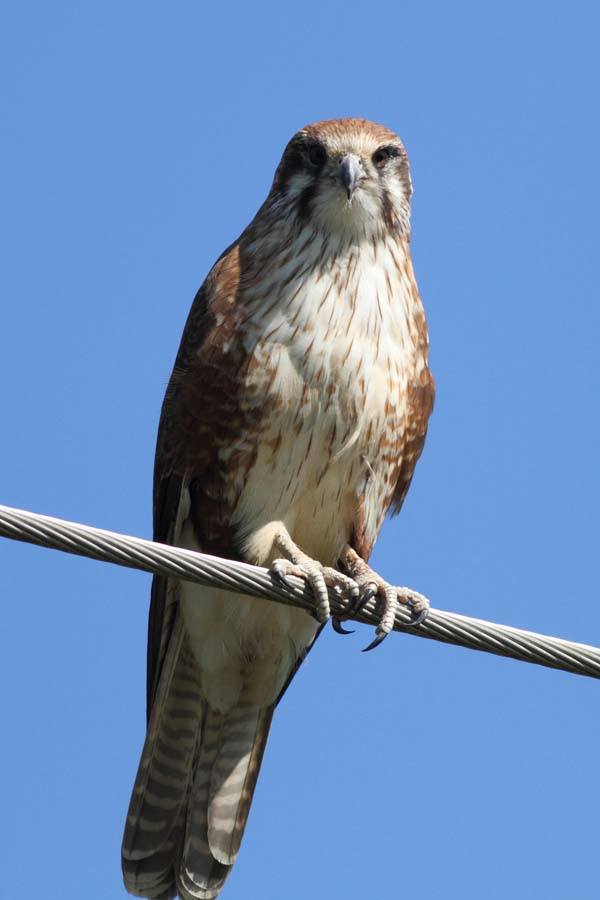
column 282, row 568
column 323, row 610
column 343, row 583
column 316, row 579
column 389, row 597
column 417, row 603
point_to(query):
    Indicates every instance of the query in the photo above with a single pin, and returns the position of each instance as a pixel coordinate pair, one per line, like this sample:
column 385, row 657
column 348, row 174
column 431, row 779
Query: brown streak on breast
column 358, row 537
column 388, row 281
column 349, row 271
column 323, row 300
column 348, row 351
column 294, row 295
column 307, row 351
column 333, row 434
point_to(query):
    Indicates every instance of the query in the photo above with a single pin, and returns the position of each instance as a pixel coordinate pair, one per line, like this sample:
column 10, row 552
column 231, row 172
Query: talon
column 338, row 627
column 419, row 618
column 280, row 569
column 375, row 643
column 277, row 574
column 417, row 604
column 361, row 601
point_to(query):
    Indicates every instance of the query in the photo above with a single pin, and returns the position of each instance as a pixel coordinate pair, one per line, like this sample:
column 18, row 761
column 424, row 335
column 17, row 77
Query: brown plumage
column 293, row 421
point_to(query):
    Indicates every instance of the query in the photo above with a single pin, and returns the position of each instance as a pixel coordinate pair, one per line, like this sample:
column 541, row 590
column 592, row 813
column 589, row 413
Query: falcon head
column 346, row 177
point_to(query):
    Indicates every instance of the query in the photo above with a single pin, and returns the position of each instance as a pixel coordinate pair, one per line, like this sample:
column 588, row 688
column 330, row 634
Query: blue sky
column 137, row 141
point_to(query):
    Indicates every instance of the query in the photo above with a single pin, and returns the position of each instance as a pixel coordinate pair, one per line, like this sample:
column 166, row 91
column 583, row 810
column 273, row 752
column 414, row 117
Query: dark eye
column 382, row 156
column 316, row 154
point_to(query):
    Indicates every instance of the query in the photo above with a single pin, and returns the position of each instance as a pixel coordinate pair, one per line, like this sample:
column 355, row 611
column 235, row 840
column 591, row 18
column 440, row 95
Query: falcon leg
column 371, row 584
column 320, row 577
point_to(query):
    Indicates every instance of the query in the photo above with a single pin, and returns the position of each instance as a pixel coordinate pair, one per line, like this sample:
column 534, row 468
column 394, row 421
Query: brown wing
column 420, row 401
column 194, row 415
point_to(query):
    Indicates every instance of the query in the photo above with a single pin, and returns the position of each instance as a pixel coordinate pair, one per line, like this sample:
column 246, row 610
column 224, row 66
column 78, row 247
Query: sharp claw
column 419, row 619
column 375, row 643
column 369, row 592
column 338, row 627
column 276, row 575
column 281, row 578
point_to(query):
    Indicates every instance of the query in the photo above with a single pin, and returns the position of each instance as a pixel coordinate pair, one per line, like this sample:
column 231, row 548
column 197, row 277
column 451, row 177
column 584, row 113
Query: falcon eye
column 382, row 156
column 316, row 154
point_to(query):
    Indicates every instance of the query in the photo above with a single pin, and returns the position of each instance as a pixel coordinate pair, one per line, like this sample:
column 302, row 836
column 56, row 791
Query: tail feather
column 193, row 788
column 200, row 876
column 154, row 823
column 233, row 779
column 224, row 782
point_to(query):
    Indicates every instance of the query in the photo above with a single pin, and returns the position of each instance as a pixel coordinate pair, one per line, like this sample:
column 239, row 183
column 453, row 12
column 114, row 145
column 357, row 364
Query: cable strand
column 162, row 559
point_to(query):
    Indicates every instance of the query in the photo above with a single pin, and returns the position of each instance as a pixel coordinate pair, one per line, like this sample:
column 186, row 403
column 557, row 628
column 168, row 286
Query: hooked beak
column 349, row 173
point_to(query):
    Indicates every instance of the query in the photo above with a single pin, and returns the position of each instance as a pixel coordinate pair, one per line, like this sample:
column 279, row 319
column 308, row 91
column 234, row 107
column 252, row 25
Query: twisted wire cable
column 162, row 559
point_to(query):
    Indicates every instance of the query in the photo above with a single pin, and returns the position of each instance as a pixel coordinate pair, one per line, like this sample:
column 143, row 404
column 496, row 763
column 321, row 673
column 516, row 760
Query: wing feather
column 421, row 396
column 185, row 449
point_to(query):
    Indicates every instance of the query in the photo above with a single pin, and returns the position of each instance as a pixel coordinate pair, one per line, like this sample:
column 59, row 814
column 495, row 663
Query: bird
column 292, row 423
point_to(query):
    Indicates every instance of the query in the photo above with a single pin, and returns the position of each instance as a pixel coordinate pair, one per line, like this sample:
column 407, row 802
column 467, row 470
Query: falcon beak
column 349, row 173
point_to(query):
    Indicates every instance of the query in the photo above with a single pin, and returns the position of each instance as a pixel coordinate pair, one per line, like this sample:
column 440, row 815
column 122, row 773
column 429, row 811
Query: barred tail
column 153, row 830
column 224, row 782
column 194, row 786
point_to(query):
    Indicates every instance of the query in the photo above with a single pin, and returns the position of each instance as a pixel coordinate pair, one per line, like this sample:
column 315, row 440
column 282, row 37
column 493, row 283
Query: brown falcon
column 293, row 421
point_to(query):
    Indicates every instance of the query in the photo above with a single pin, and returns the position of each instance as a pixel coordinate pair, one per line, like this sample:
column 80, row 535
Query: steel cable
column 162, row 559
